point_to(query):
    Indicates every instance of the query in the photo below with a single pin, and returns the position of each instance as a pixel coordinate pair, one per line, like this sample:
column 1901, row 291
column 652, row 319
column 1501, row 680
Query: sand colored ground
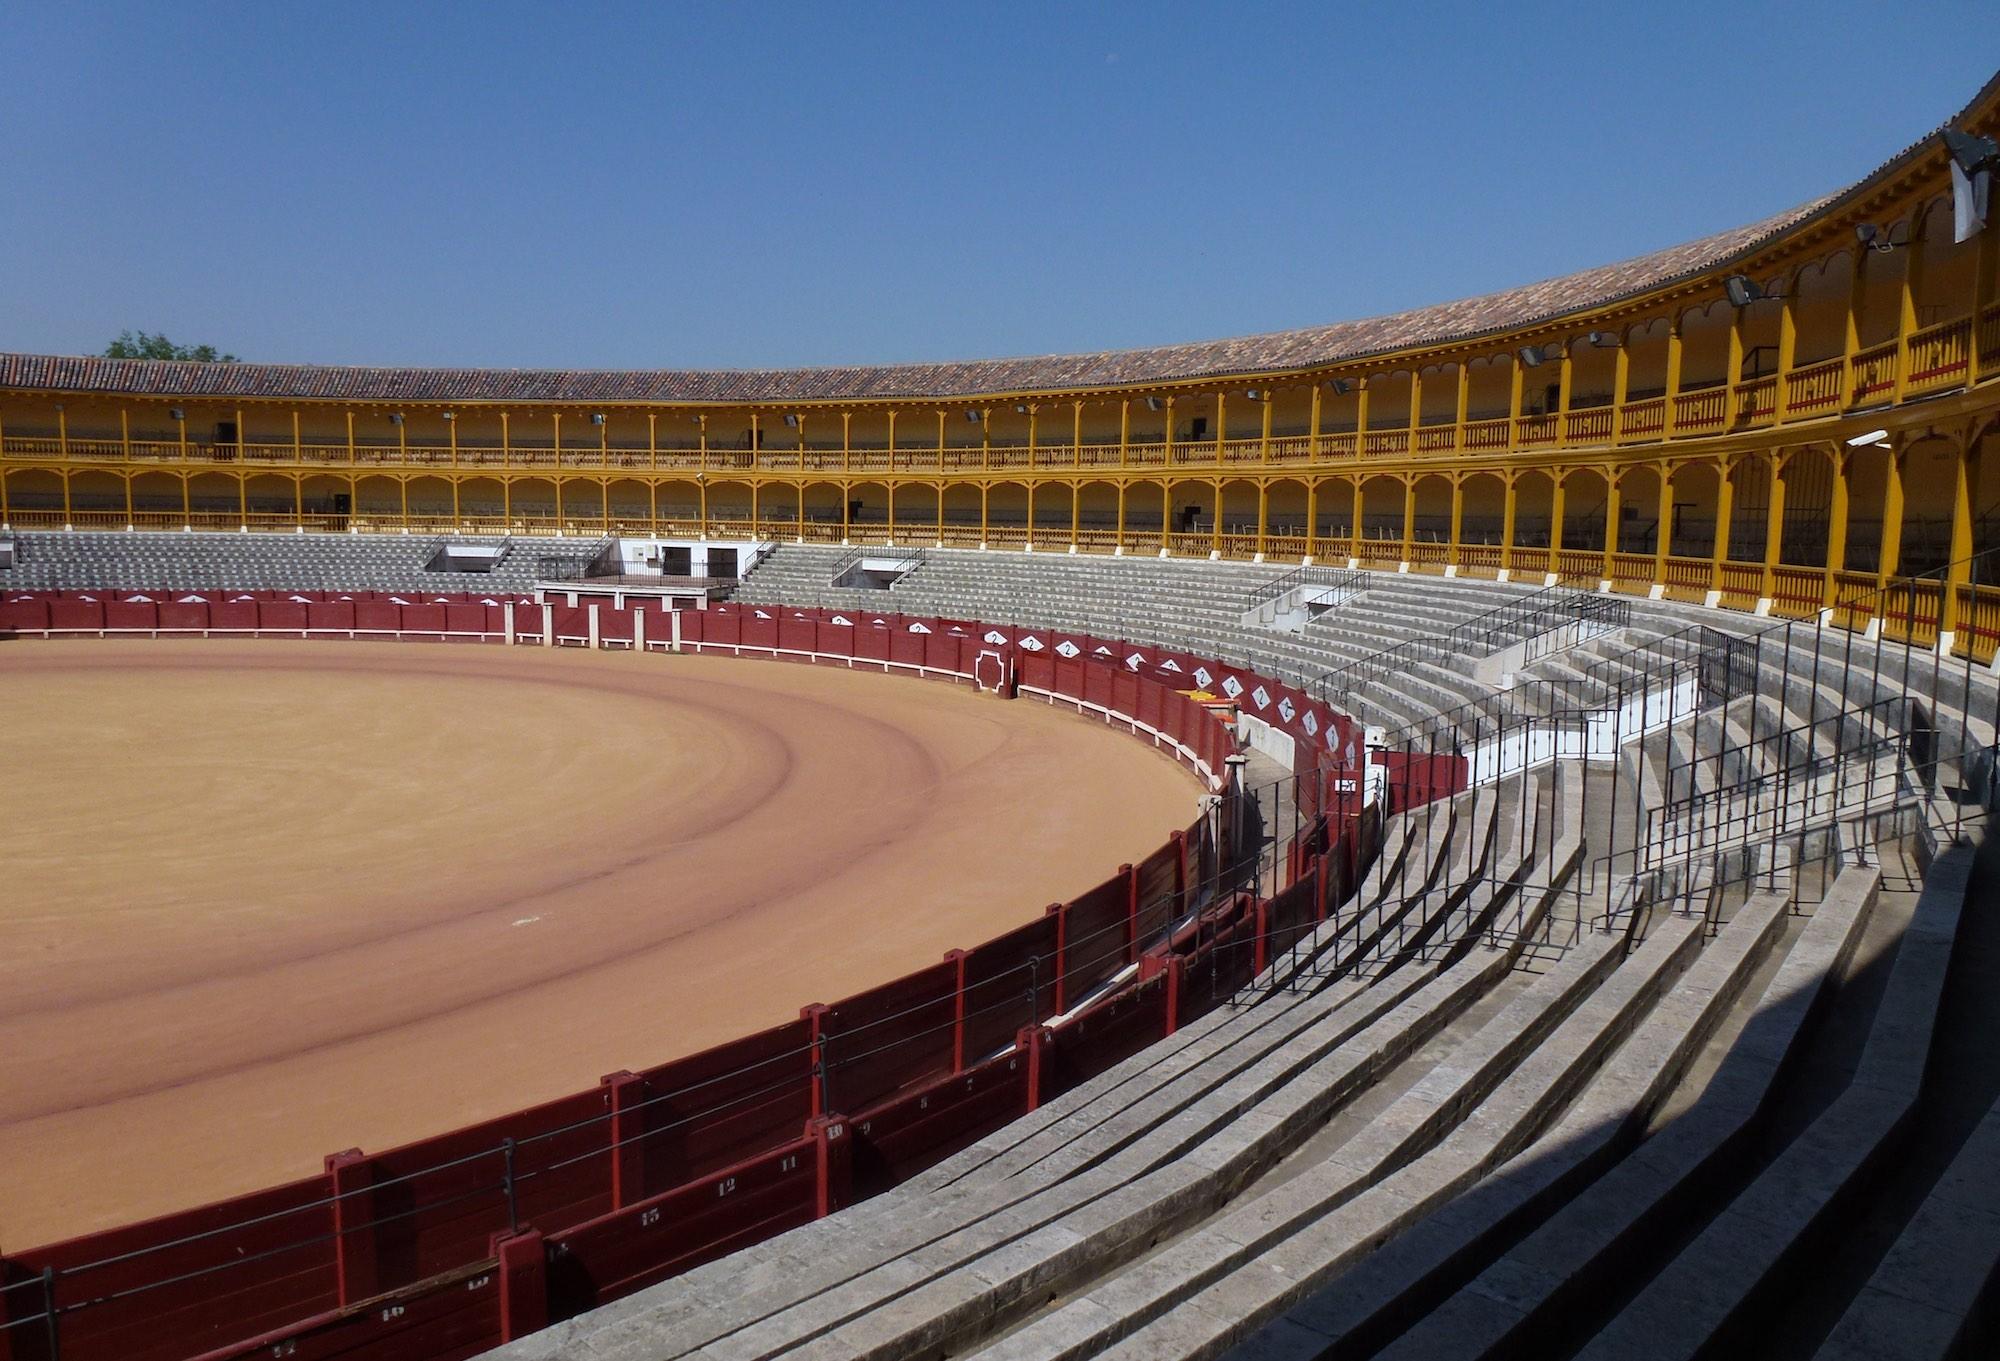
column 262, row 901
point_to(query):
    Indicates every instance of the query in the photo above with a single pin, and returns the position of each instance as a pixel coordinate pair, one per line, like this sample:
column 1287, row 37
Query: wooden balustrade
column 1190, row 545
column 1479, row 560
column 1530, row 562
column 1740, row 584
column 1978, row 633
column 1589, row 427
column 1798, row 592
column 1687, row 579
column 1429, row 557
column 1239, row 547
column 1938, row 356
column 1631, row 573
column 1701, row 413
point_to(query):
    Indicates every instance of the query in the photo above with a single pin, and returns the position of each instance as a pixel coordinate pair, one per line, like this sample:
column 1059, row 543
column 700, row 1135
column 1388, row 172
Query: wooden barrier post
column 956, row 958
column 1260, row 952
column 833, row 1162
column 1030, row 1041
column 523, row 1284
column 1179, row 840
column 815, row 1018
column 624, row 1098
column 1061, row 914
column 1319, row 885
column 351, row 1177
column 1131, row 877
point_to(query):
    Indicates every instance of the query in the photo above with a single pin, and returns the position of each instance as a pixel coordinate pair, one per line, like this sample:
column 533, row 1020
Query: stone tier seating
column 85, row 560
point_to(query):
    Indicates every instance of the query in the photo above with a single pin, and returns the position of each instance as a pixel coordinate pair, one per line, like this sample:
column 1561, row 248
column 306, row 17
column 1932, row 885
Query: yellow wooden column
column 403, row 489
column 1354, row 534
column 1965, row 488
column 1621, row 377
column 555, row 439
column 1361, row 415
column 1889, row 557
column 125, row 434
column 1906, row 316
column 1076, row 434
column 1670, row 399
column 940, row 442
column 1510, row 500
column 653, row 441
column 1614, row 504
column 506, row 442
column 1216, row 527
column 1850, row 345
column 1166, row 515
column 653, row 506
column 1725, row 503
column 1075, row 513
column 1788, row 351
column 1517, row 379
column 1416, row 406
column 1120, row 547
column 1557, row 496
column 983, row 489
column 1837, row 513
column 1263, row 510
column 1312, row 437
column 846, row 511
column 1409, row 515
column 1124, row 431
column 1221, row 427
column 67, row 523
column 1264, row 439
column 1457, row 519
column 1565, row 378
column 1033, row 410
column 1464, row 406
column 187, row 498
column 890, row 488
column 1168, row 447
column 985, row 451
column 1732, row 371
column 1774, row 524
column 1312, row 519
column 1663, row 527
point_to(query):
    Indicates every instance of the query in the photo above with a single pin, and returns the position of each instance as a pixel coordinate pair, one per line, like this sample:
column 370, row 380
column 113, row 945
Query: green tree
column 141, row 345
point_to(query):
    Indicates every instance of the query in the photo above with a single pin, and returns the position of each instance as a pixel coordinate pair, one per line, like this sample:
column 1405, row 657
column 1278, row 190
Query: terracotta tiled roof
column 1280, row 350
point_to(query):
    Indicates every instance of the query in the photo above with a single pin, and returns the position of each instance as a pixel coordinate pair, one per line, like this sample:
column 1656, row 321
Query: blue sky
column 746, row 185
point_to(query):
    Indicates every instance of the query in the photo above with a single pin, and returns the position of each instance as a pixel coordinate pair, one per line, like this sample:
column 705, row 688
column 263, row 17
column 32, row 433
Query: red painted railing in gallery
column 444, row 1248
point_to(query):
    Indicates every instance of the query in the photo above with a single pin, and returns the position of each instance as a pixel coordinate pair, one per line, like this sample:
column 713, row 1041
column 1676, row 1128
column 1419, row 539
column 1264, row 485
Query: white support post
column 507, row 613
column 638, row 630
column 676, row 644
column 595, row 639
column 548, row 623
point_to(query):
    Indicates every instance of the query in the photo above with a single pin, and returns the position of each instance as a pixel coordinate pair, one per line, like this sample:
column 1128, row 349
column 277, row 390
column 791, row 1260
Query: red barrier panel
column 125, row 614
column 378, row 616
column 907, row 648
column 452, row 1316
column 1097, row 939
column 888, row 1037
column 614, row 626
column 946, row 652
column 872, row 643
column 919, row 1127
column 421, row 618
column 1107, row 1033
column 239, row 616
column 759, row 630
column 837, row 639
column 1038, row 670
column 797, row 635
column 701, row 1112
column 230, row 1269
column 330, row 616
column 461, row 618
column 1010, row 982
column 22, row 616
column 629, row 1249
column 281, row 615
column 572, row 622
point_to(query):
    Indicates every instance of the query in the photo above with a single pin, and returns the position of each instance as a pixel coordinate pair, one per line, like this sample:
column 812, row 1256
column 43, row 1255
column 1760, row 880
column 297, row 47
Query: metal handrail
column 1310, row 574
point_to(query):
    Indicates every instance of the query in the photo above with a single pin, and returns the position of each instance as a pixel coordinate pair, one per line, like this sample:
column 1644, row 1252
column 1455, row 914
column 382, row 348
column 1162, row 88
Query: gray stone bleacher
column 334, row 562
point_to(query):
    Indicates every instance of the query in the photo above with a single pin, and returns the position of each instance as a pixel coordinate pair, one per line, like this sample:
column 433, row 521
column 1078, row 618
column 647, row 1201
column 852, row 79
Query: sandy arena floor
column 262, row 901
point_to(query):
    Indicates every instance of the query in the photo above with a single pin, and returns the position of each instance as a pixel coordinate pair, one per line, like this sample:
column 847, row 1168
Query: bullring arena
column 406, row 852
column 1458, row 834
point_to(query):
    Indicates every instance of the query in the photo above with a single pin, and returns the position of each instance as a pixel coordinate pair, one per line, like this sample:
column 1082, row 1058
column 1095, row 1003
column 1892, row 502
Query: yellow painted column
column 454, row 503
column 1774, row 525
column 1557, row 498
column 1621, row 378
column 653, row 506
column 1614, row 506
column 1517, row 379
column 653, row 441
column 1221, row 427
column 940, row 511
column 1889, row 558
column 940, row 441
column 1313, row 435
column 125, row 432
column 985, row 450
column 1732, row 370
column 242, row 487
column 187, row 500
column 1361, row 416
column 846, row 511
column 1076, row 434
column 1312, row 518
column 66, row 509
column 890, row 488
column 1906, row 319
column 1168, row 446
column 1457, row 518
column 1464, row 406
column 1788, row 350
column 1837, row 514
column 555, row 439
column 1033, row 410
column 1725, row 503
column 1124, row 431
column 1663, row 527
column 1263, row 507
column 1670, row 399
column 506, row 442
column 1850, row 345
column 983, row 489
column 403, row 490
column 1264, row 439
column 1354, row 533
column 1166, row 514
column 507, row 499
column 1216, row 527
column 1565, row 376
column 1121, row 515
column 1510, row 500
column 1416, row 406
column 1409, row 515
column 1965, row 487
column 298, row 499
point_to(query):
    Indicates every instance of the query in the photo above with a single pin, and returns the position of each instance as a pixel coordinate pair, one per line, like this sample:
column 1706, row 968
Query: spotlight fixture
column 972, row 418
column 1603, row 340
column 1256, row 394
column 597, row 418
column 1876, row 438
column 1020, row 408
column 449, row 415
column 1873, row 237
column 1973, row 161
column 1340, row 387
column 791, row 420
column 178, row 414
column 395, row 418
column 1742, row 290
column 1530, row 356
column 1152, row 404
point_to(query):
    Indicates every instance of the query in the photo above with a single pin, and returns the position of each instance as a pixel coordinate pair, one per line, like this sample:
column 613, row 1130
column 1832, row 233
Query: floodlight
column 1530, row 356
column 449, row 415
column 395, row 418
column 791, row 420
column 597, row 418
column 1256, row 394
column 1339, row 386
column 1973, row 160
column 1603, row 340
column 178, row 414
column 1872, row 437
column 1152, row 404
column 972, row 417
column 1020, row 408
